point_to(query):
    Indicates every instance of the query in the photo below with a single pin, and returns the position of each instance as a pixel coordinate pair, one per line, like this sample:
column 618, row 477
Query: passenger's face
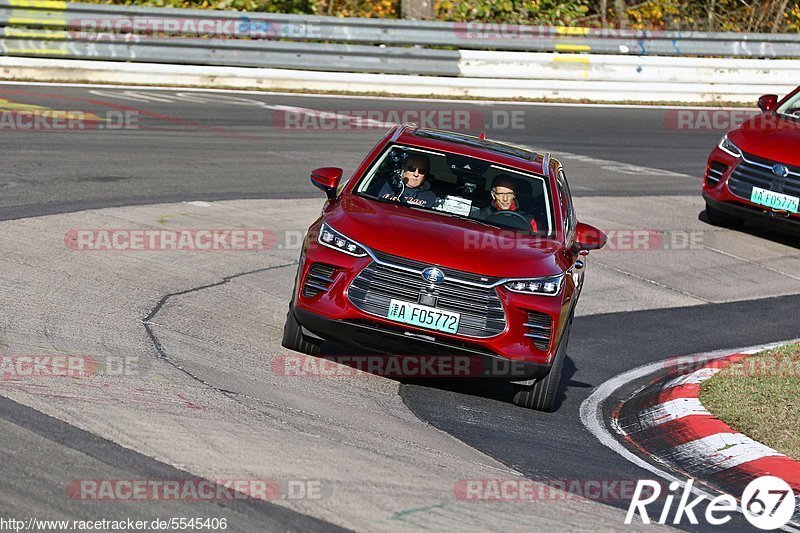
column 504, row 197
column 414, row 172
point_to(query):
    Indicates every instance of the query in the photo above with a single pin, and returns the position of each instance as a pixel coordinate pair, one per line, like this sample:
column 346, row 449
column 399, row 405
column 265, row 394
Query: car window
column 791, row 107
column 461, row 186
column 565, row 200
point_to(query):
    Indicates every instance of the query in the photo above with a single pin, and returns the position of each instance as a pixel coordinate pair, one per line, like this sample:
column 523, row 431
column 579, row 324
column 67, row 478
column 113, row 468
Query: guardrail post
column 417, row 9
column 621, row 8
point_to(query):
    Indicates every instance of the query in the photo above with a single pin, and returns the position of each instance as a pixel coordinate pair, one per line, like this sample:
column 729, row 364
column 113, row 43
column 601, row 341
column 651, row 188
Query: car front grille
column 539, row 327
column 397, row 278
column 754, row 171
column 318, row 279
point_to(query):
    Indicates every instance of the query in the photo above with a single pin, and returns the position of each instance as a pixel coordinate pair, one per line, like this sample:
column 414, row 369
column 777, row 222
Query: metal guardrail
column 51, row 28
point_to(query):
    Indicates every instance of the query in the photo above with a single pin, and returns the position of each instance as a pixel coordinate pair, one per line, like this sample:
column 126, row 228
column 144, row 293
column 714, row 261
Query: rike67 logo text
column 767, row 502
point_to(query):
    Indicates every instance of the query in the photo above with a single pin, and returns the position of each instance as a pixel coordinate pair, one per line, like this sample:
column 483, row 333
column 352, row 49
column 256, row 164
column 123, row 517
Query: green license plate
column 423, row 316
column 775, row 200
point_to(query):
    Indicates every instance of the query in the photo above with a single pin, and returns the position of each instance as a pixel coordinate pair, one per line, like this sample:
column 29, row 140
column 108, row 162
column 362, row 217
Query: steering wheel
column 513, row 217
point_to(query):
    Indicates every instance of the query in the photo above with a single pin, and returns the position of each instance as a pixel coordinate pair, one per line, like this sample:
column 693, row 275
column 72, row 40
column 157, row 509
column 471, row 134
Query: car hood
column 769, row 136
column 442, row 240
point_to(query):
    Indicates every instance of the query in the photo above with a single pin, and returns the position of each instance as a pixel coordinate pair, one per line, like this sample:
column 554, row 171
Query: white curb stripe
column 695, row 378
column 671, row 410
column 718, row 452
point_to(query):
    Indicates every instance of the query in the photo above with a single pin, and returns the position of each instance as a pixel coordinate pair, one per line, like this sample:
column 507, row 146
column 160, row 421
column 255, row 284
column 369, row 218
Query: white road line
column 623, row 168
column 651, row 282
column 614, row 166
column 592, row 415
column 750, row 261
column 671, row 410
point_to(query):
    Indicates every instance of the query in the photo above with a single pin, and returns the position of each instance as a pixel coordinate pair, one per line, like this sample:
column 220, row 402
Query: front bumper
column 752, row 212
column 718, row 195
column 331, row 315
column 374, row 337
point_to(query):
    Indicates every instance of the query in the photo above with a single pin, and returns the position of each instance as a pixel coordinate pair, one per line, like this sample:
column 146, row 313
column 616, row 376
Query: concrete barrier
column 601, row 79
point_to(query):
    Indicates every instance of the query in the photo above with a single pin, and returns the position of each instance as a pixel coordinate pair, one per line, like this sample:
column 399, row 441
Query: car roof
column 494, row 151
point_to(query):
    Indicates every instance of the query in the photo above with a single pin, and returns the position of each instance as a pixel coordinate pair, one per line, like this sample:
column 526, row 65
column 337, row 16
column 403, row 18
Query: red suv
column 754, row 172
column 446, row 244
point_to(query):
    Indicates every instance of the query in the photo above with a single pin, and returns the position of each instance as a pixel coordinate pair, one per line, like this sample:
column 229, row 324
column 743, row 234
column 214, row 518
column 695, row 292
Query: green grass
column 760, row 397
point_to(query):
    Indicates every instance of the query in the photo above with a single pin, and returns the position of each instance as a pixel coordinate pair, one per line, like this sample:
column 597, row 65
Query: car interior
column 464, row 182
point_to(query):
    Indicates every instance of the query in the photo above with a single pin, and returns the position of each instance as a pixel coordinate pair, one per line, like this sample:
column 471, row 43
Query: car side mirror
column 589, row 238
column 327, row 179
column 768, row 102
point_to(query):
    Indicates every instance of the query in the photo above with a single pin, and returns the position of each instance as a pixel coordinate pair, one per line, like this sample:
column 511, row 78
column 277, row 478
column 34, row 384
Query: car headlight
column 727, row 146
column 549, row 286
column 333, row 239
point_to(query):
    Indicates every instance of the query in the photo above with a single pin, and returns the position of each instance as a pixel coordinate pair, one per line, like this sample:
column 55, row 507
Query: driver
column 504, row 198
column 414, row 188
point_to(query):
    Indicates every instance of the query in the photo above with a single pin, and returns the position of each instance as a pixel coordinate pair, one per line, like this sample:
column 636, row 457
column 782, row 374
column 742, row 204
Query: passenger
column 414, row 189
column 504, row 198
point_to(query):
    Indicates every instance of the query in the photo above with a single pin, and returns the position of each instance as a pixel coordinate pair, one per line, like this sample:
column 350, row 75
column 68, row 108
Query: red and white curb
column 672, row 426
column 664, row 429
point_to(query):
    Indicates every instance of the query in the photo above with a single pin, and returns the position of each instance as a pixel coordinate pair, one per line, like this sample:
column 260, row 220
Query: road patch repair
column 664, row 423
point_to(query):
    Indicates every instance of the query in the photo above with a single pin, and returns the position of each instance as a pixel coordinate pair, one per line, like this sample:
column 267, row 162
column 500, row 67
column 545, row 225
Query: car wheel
column 541, row 396
column 723, row 220
column 293, row 338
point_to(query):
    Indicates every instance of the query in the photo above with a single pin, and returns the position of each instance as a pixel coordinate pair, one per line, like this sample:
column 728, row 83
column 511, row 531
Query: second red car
column 754, row 171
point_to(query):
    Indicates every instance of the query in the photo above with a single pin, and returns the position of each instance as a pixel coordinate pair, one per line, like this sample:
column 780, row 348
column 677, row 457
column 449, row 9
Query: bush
column 513, row 11
column 341, row 8
column 699, row 15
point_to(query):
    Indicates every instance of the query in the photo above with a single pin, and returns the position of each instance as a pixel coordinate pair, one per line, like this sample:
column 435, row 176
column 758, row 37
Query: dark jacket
column 422, row 196
column 492, row 208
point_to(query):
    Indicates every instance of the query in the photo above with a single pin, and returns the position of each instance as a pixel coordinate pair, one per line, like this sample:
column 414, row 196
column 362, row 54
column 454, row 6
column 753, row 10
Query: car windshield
column 460, row 186
column 791, row 107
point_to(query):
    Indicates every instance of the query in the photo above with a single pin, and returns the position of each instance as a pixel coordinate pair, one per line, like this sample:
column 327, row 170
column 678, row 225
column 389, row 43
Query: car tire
column 293, row 338
column 542, row 395
column 723, row 220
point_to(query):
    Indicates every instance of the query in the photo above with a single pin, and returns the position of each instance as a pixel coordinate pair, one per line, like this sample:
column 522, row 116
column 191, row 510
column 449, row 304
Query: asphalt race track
column 227, row 146
column 238, row 153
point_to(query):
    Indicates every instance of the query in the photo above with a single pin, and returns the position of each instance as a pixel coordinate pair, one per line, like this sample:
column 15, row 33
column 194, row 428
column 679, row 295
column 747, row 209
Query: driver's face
column 414, row 172
column 504, row 197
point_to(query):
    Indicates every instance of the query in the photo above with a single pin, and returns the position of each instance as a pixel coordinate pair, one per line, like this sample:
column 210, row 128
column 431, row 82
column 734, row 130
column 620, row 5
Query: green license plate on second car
column 423, row 316
column 775, row 200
